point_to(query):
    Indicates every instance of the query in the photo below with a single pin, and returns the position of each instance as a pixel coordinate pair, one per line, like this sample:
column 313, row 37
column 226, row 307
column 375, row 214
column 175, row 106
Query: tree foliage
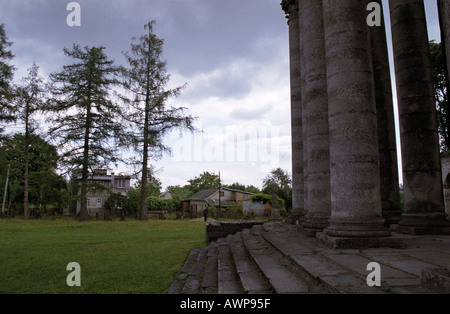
column 242, row 187
column 145, row 95
column 440, row 94
column 46, row 187
column 6, row 76
column 83, row 117
column 204, row 181
column 28, row 100
column 279, row 182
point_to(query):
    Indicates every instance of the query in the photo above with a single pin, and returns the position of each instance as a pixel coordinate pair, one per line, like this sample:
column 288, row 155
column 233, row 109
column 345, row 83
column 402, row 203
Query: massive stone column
column 356, row 219
column 315, row 100
column 444, row 17
column 423, row 194
column 390, row 194
column 290, row 7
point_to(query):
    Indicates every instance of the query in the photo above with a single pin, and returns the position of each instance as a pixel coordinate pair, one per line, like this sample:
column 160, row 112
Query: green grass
column 114, row 256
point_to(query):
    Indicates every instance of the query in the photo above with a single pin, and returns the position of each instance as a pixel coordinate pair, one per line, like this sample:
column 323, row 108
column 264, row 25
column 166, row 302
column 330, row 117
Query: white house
column 100, row 192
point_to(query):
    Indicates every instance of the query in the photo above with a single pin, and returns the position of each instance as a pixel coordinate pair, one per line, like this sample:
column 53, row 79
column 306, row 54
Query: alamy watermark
column 74, row 17
column 74, row 278
column 374, row 17
column 374, row 278
column 254, row 144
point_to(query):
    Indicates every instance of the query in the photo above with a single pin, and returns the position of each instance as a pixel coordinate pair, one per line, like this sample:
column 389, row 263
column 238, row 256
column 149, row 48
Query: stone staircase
column 248, row 262
column 278, row 258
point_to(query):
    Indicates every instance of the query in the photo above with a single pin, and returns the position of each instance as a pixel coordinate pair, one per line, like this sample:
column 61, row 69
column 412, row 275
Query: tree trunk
column 144, row 177
column 85, row 170
column 25, row 185
column 143, row 215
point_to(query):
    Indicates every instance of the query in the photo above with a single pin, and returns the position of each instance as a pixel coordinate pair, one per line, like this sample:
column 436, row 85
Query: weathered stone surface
column 390, row 195
column 220, row 229
column 315, row 104
column 354, row 155
column 438, row 258
column 444, row 13
column 228, row 282
column 252, row 281
column 423, row 191
column 318, row 266
column 298, row 210
column 436, row 279
column 349, row 284
column 361, row 242
column 282, row 279
column 359, row 264
column 278, row 258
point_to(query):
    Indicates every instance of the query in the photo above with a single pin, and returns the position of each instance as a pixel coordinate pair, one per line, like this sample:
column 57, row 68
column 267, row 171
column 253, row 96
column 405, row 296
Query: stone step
column 279, row 258
column 177, row 286
column 327, row 275
column 210, row 283
column 251, row 279
column 195, row 274
column 228, row 278
column 345, row 271
column 280, row 274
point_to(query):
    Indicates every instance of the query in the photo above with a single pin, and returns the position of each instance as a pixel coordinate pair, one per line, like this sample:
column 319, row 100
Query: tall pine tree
column 28, row 100
column 6, row 76
column 83, row 116
column 149, row 118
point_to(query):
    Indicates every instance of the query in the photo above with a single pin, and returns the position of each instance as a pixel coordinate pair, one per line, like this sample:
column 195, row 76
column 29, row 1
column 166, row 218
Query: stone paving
column 280, row 258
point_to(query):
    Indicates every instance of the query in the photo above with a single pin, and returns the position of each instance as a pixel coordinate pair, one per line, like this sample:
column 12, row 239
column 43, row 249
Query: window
column 88, row 202
column 121, row 184
column 99, row 202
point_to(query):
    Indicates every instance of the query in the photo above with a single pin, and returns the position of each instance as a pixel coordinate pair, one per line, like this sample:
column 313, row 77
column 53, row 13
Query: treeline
column 278, row 182
column 95, row 111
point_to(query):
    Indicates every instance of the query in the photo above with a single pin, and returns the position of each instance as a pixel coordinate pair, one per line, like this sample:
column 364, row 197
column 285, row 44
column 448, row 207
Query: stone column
column 315, row 100
column 423, row 190
column 291, row 9
column 305, row 121
column 354, row 158
column 444, row 17
column 390, row 194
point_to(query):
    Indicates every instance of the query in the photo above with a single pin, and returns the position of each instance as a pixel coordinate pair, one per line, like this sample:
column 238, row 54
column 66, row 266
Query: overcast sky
column 233, row 55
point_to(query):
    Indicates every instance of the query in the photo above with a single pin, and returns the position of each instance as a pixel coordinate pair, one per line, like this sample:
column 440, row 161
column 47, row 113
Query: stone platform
column 280, row 258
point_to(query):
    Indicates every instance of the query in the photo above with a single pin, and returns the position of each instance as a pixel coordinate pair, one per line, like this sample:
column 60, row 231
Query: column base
column 424, row 223
column 357, row 228
column 293, row 218
column 314, row 223
column 359, row 243
column 391, row 216
column 276, row 219
column 358, row 234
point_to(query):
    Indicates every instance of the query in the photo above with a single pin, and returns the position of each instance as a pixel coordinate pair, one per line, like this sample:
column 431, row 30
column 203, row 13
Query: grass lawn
column 114, row 256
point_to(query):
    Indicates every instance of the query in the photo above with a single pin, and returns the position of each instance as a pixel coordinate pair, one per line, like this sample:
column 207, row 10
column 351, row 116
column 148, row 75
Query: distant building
column 205, row 198
column 100, row 192
column 166, row 195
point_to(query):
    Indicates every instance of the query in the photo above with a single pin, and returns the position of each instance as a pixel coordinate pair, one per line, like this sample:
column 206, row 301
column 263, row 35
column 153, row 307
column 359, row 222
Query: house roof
column 206, row 194
column 104, row 177
column 203, row 194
